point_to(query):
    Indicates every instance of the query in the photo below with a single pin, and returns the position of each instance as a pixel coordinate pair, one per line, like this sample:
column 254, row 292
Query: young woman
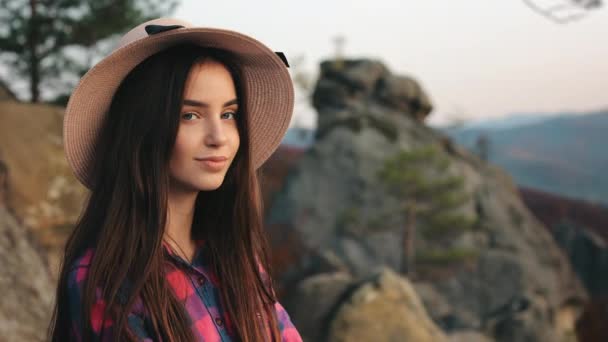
column 167, row 132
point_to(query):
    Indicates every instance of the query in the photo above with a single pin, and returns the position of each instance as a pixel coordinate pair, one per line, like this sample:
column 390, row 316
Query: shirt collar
column 169, row 249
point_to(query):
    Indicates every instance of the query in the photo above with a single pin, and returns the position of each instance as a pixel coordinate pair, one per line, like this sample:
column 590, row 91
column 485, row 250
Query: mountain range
column 562, row 153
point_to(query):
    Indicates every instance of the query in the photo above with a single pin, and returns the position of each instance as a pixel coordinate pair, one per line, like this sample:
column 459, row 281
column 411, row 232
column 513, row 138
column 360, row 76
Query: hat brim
column 265, row 80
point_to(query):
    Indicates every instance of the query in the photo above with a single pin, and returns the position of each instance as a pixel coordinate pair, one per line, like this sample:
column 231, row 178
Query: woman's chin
column 209, row 185
column 203, row 183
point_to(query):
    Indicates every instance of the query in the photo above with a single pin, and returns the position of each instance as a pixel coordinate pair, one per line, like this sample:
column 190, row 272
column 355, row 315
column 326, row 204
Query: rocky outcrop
column 317, row 297
column 588, row 254
column 348, row 88
column 33, row 202
column 45, row 195
column 334, row 215
column 384, row 308
column 381, row 307
column 580, row 229
column 25, row 283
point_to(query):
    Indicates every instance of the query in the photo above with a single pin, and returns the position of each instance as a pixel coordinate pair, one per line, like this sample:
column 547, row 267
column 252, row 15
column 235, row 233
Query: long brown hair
column 124, row 217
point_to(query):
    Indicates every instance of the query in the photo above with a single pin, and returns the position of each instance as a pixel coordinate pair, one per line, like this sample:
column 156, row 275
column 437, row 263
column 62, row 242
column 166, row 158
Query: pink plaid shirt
column 195, row 286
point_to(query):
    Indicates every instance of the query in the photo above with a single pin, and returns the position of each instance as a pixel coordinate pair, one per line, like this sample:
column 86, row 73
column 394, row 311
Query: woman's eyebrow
column 204, row 104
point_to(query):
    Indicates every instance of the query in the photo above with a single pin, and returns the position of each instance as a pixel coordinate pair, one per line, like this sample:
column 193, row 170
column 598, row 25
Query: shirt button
column 201, row 280
column 219, row 321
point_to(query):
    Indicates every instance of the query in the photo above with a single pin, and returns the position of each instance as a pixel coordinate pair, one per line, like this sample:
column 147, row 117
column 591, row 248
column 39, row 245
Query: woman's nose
column 215, row 133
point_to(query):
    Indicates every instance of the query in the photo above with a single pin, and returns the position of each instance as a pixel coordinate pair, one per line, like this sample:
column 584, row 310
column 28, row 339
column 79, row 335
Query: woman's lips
column 214, row 164
column 213, row 158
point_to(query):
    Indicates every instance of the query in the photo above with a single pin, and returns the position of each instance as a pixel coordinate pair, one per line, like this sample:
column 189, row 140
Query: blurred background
column 442, row 178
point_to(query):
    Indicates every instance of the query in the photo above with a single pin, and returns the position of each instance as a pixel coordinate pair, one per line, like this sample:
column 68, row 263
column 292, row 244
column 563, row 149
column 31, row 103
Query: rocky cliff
column 336, row 220
column 38, row 196
column 25, row 283
column 37, row 181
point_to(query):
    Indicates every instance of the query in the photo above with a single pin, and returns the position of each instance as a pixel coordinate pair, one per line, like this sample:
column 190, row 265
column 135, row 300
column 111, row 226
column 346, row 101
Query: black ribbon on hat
column 155, row 29
column 283, row 58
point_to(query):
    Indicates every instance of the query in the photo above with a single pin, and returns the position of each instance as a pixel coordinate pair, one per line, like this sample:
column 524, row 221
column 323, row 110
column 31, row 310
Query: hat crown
column 139, row 31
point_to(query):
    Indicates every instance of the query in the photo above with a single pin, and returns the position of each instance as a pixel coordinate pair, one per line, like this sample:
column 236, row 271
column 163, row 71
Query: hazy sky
column 475, row 58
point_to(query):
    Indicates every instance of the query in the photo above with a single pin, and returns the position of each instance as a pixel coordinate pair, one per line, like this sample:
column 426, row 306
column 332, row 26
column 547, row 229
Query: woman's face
column 207, row 128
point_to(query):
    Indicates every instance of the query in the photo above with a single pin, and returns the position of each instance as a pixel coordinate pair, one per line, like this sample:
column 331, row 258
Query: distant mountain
column 563, row 154
column 509, row 121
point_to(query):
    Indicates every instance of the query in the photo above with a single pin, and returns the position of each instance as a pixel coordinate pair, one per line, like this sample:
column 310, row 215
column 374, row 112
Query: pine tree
column 35, row 33
column 428, row 195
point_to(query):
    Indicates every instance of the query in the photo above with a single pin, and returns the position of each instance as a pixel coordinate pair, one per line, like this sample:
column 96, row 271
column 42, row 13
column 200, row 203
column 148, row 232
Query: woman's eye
column 233, row 114
column 186, row 114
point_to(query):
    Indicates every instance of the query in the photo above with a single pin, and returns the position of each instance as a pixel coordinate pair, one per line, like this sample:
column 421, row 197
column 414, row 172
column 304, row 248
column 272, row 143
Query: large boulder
column 383, row 308
column 333, row 214
column 317, row 298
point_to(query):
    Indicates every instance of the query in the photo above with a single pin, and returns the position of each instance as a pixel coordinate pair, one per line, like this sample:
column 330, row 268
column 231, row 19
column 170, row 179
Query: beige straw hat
column 266, row 83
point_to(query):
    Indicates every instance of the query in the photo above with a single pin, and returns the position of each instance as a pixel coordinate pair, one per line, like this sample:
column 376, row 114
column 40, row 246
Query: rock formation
column 334, row 221
column 384, row 308
column 45, row 195
column 25, row 282
column 588, row 254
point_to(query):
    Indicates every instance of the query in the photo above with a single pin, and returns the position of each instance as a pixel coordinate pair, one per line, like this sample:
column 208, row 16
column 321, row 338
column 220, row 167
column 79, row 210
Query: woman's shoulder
column 79, row 267
column 78, row 271
column 83, row 259
column 100, row 322
column 76, row 279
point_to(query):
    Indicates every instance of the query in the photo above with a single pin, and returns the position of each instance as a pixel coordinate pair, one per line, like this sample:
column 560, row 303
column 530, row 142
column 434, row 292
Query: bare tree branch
column 551, row 12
